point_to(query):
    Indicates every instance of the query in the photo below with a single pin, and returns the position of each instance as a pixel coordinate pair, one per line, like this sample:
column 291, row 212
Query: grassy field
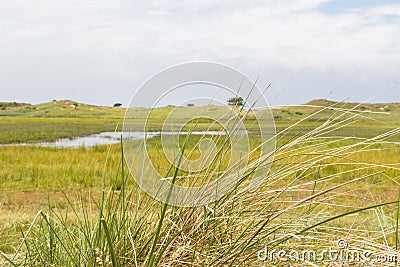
column 24, row 123
column 93, row 214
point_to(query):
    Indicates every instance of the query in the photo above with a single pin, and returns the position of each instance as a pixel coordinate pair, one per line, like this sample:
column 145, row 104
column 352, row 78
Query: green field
column 22, row 123
column 58, row 119
column 93, row 214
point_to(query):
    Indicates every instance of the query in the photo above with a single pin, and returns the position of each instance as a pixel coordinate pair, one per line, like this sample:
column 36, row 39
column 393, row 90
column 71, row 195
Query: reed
column 321, row 188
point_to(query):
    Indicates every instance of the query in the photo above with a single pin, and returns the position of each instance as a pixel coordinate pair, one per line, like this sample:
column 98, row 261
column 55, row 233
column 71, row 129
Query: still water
column 108, row 138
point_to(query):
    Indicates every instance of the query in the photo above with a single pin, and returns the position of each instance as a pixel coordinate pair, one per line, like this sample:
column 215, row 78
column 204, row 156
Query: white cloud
column 387, row 10
column 116, row 38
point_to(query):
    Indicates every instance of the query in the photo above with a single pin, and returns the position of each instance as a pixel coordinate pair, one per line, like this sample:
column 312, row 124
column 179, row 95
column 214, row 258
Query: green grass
column 24, row 123
column 326, row 183
column 34, row 130
column 119, row 227
column 54, row 168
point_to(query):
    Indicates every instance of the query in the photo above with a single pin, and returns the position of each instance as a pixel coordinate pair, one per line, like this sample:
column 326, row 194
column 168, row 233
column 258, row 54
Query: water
column 106, row 138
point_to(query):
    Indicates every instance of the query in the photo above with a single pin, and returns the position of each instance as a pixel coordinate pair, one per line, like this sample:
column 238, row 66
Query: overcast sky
column 100, row 51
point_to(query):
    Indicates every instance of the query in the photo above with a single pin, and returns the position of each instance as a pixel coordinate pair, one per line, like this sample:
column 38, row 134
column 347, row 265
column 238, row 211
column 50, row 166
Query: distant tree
column 236, row 101
column 190, row 105
column 75, row 105
column 116, row 105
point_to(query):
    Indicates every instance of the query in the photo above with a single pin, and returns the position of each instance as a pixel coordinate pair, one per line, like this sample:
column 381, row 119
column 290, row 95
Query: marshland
column 334, row 175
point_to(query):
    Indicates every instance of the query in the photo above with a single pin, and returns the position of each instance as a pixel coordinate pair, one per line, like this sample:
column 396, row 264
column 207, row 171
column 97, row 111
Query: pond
column 106, row 138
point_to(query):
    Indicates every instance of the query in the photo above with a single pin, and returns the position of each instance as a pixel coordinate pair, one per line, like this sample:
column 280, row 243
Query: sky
column 101, row 51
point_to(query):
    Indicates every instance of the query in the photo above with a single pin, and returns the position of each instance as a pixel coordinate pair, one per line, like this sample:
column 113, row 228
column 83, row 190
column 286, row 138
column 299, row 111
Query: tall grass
column 321, row 188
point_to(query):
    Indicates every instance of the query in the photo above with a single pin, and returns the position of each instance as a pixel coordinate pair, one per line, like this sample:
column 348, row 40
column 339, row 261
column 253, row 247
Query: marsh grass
column 321, row 188
column 31, row 130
